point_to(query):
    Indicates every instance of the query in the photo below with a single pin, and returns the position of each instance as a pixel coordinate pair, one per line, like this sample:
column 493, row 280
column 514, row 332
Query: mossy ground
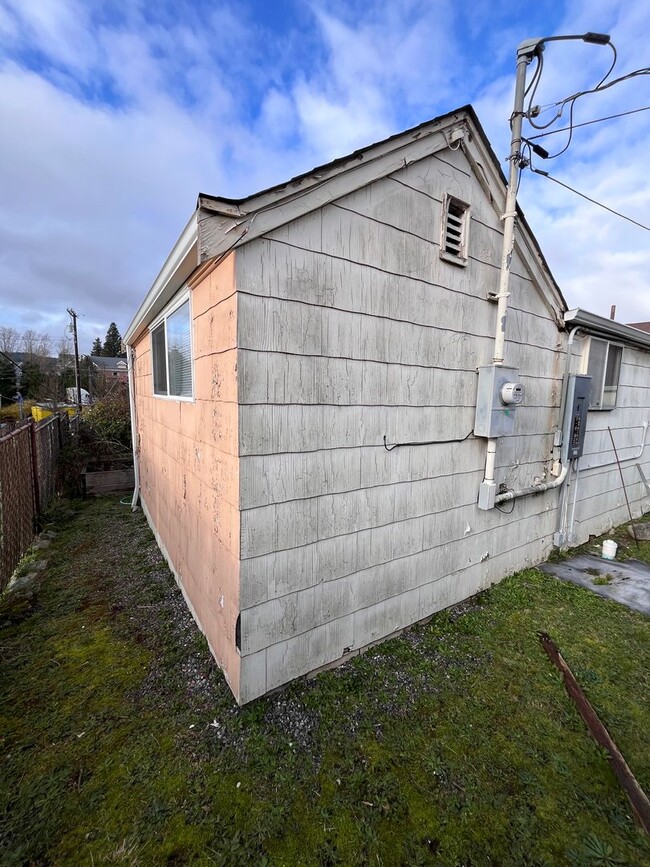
column 455, row 744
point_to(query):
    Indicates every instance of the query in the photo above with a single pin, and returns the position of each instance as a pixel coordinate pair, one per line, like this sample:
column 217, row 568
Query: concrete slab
column 628, row 581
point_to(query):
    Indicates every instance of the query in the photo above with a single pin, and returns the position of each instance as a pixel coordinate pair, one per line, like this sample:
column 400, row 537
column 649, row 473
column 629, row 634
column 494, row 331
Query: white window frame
column 176, row 302
column 596, row 401
column 461, row 258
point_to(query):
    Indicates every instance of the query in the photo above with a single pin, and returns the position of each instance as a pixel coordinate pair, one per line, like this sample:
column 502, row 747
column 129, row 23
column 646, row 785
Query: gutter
column 179, row 265
column 602, row 327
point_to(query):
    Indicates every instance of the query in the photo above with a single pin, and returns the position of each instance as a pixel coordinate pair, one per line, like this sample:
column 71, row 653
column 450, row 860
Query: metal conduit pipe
column 130, row 353
column 563, row 505
column 640, row 450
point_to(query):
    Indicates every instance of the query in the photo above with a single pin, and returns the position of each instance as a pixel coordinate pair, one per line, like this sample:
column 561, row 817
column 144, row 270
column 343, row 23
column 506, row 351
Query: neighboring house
column 642, row 326
column 293, row 337
column 111, row 368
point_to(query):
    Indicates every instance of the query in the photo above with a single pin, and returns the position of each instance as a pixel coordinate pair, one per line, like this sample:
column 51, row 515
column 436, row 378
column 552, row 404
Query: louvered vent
column 453, row 245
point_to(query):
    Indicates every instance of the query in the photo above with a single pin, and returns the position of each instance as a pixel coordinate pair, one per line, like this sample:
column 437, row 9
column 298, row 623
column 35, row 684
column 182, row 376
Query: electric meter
column 498, row 396
column 512, row 393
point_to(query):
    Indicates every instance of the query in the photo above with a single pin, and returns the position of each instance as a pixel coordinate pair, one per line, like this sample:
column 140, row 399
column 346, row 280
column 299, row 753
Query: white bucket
column 609, row 549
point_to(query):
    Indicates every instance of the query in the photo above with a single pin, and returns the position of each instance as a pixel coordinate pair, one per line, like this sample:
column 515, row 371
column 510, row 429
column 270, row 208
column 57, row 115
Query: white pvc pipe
column 534, row 489
column 130, row 352
column 490, row 460
column 509, row 218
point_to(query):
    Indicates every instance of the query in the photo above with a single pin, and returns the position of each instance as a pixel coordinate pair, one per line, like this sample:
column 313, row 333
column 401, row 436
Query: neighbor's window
column 604, row 367
column 171, row 348
column 455, row 229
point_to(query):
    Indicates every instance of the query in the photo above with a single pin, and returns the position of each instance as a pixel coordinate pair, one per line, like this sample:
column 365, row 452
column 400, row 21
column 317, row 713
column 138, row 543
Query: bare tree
column 44, row 345
column 29, row 341
column 64, row 349
column 36, row 344
column 9, row 339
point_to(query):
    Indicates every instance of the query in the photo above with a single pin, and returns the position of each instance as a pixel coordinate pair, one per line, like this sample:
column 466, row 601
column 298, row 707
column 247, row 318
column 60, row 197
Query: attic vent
column 455, row 225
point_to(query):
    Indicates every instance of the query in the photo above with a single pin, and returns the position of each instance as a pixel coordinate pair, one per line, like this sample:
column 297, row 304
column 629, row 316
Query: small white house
column 326, row 451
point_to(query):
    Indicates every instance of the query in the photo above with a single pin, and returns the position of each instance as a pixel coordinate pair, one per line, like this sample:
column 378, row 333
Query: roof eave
column 274, row 196
column 602, row 327
column 178, row 267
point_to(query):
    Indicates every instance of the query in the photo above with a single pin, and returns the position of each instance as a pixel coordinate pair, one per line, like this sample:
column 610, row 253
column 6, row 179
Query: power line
column 589, row 122
column 589, row 199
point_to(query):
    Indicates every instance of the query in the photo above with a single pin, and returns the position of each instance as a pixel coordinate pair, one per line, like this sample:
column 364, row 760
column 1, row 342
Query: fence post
column 37, row 493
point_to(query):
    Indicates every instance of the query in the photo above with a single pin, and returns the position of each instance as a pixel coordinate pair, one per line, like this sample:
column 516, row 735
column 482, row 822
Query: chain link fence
column 29, row 480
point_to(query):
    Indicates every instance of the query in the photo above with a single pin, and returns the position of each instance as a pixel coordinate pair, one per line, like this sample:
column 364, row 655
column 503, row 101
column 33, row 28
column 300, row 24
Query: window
column 171, row 349
column 455, row 226
column 604, row 367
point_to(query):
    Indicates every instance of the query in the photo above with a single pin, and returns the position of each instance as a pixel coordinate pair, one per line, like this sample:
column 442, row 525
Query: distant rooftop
column 107, row 362
column 642, row 326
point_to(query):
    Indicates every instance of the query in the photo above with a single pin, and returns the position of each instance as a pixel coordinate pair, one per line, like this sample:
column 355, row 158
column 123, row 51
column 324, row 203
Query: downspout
column 130, row 354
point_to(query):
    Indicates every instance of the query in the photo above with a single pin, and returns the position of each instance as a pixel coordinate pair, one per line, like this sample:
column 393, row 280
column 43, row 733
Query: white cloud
column 112, row 125
column 60, row 29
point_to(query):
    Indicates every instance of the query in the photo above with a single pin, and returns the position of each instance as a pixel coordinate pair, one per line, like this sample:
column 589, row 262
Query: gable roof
column 220, row 225
column 108, row 362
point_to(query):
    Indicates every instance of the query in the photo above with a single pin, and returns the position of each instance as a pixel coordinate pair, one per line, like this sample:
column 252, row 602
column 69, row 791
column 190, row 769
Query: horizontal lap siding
column 601, row 501
column 351, row 329
column 190, row 471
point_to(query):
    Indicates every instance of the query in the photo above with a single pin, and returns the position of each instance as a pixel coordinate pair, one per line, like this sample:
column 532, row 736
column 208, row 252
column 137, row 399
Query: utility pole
column 527, row 51
column 77, row 376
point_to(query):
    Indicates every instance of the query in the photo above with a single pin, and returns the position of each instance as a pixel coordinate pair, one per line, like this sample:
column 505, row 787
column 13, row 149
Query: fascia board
column 609, row 328
column 220, row 230
column 178, row 267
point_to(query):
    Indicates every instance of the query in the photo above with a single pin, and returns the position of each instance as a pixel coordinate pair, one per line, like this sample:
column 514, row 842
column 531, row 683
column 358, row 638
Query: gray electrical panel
column 498, row 396
column 575, row 416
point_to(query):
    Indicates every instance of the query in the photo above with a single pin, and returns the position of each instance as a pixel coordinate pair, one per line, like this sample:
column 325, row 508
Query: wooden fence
column 29, row 480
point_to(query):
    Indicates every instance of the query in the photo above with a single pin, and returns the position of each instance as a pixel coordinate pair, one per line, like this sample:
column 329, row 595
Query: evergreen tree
column 97, row 346
column 88, row 374
column 113, row 343
column 7, row 380
column 32, row 380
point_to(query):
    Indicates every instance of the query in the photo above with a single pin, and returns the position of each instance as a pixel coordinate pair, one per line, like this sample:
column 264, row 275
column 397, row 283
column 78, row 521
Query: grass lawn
column 455, row 744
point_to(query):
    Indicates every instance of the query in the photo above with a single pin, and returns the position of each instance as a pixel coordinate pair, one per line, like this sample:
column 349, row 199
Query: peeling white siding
column 351, row 328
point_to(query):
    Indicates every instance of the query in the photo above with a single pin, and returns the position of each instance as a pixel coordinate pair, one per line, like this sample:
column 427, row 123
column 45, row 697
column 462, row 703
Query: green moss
column 603, row 580
column 455, row 744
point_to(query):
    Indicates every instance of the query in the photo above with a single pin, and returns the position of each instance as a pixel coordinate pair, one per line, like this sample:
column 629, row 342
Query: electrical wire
column 391, row 446
column 588, row 122
column 588, row 198
column 569, row 99
column 506, row 511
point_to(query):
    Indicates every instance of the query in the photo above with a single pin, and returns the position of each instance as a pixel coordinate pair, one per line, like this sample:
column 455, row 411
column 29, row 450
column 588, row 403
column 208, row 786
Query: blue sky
column 116, row 114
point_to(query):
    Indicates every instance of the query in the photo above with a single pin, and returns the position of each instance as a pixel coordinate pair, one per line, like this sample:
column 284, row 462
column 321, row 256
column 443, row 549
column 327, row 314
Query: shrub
column 103, row 440
column 109, row 419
